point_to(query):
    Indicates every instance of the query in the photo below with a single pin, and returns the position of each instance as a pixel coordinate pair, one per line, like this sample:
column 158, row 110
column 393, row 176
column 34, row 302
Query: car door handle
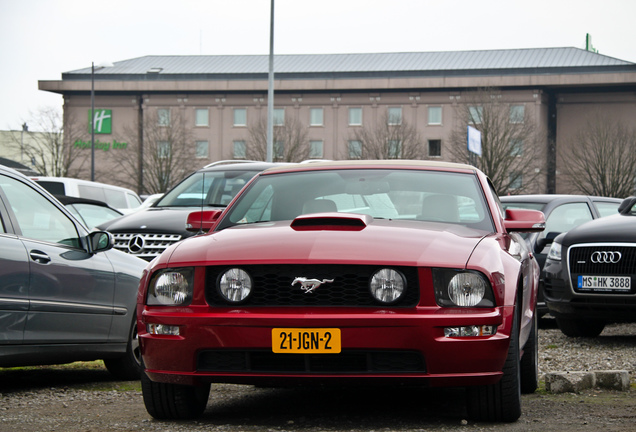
column 39, row 257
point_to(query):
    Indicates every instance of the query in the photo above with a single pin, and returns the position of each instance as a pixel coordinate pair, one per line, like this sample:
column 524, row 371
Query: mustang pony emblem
column 308, row 285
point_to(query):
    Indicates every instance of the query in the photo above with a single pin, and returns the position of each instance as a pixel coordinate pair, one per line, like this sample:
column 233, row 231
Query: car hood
column 153, row 219
column 379, row 242
column 616, row 228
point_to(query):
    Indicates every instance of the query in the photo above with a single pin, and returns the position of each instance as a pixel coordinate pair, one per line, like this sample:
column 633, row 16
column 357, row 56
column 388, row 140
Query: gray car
column 65, row 294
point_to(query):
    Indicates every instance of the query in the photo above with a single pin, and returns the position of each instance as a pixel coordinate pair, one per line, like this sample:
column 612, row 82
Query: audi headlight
column 387, row 285
column 461, row 288
column 235, row 285
column 555, row 252
column 171, row 287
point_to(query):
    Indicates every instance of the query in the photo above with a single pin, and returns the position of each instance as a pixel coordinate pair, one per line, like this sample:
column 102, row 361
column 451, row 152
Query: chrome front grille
column 144, row 245
column 581, row 262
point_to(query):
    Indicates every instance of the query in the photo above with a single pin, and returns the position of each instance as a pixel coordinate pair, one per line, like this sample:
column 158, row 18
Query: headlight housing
column 555, row 252
column 171, row 287
column 235, row 285
column 387, row 285
column 462, row 288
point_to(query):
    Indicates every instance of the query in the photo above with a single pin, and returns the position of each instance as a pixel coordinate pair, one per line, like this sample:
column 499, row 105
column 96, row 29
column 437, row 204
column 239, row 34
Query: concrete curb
column 575, row 382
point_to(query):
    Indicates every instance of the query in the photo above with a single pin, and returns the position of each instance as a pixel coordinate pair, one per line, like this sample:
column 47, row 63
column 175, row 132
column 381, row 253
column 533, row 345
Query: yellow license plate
column 306, row 340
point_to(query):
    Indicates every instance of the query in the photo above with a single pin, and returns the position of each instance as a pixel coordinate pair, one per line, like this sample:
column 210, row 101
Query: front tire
column 574, row 327
column 500, row 402
column 172, row 401
column 127, row 367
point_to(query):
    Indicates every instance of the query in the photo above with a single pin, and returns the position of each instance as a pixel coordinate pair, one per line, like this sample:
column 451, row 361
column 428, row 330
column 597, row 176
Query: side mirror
column 626, row 206
column 202, row 221
column 544, row 241
column 522, row 220
column 100, row 241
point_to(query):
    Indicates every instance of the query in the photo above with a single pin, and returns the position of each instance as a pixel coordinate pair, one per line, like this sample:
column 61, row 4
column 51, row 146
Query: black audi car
column 148, row 232
column 590, row 274
column 562, row 213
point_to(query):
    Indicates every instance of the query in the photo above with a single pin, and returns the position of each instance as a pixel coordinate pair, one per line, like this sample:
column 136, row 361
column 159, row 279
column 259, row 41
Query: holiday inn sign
column 102, row 121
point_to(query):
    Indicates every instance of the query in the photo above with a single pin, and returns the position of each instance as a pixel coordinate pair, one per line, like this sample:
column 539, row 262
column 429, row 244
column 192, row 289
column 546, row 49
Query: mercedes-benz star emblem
column 136, row 244
column 606, row 257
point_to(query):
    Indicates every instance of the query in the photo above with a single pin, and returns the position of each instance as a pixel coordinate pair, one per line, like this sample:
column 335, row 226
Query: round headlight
column 387, row 285
column 466, row 289
column 235, row 285
column 171, row 288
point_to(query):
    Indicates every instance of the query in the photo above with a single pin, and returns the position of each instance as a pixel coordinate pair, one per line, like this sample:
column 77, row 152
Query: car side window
column 567, row 216
column 38, row 218
column 606, row 208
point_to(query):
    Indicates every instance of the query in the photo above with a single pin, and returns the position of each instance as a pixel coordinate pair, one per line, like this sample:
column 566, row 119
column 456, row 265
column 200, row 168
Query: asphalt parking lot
column 84, row 397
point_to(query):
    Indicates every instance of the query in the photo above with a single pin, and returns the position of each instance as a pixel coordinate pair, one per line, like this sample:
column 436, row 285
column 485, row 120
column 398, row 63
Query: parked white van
column 123, row 199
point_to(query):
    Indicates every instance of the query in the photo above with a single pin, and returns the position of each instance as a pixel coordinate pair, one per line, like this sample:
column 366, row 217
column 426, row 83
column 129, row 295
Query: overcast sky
column 40, row 39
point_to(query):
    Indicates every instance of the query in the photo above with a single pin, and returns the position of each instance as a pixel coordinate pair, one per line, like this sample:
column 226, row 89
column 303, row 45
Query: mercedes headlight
column 462, row 288
column 171, row 287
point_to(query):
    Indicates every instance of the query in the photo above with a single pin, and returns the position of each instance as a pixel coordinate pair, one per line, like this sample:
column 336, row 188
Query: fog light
column 162, row 329
column 470, row 331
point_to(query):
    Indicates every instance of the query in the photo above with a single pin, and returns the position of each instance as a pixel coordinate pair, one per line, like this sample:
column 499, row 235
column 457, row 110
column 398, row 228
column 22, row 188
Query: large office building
column 217, row 101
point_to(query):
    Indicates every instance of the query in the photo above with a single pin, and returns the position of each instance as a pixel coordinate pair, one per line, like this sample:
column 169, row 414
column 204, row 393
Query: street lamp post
column 92, row 121
column 270, row 89
column 92, row 116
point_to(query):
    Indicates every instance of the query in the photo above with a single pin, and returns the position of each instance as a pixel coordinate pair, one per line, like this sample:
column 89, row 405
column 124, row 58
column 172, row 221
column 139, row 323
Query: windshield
column 212, row 189
column 382, row 193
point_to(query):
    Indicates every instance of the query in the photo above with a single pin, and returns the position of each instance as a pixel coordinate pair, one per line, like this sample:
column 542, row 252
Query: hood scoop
column 331, row 222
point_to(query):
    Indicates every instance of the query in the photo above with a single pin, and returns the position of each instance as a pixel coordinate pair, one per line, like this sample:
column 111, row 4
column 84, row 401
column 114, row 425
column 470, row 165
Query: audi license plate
column 306, row 340
column 604, row 283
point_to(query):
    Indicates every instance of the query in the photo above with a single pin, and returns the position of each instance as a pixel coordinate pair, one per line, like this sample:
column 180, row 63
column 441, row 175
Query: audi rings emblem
column 606, row 257
column 136, row 244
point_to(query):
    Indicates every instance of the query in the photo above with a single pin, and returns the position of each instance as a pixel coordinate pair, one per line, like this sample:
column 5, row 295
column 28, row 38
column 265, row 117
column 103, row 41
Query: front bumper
column 563, row 302
column 378, row 346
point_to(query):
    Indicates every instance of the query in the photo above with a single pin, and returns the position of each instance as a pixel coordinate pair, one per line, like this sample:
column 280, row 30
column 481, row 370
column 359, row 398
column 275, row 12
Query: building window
column 516, row 180
column 435, row 115
column 355, row 116
column 517, row 113
column 163, row 149
column 516, row 147
column 435, row 148
column 395, row 149
column 315, row 149
column 240, row 117
column 394, row 115
column 202, row 149
column 201, row 117
column 279, row 116
column 475, row 114
column 279, row 150
column 240, row 150
column 355, row 149
column 316, row 117
column 163, row 117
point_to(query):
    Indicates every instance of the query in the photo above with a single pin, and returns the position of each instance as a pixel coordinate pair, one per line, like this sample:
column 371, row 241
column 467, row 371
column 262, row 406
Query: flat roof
column 334, row 66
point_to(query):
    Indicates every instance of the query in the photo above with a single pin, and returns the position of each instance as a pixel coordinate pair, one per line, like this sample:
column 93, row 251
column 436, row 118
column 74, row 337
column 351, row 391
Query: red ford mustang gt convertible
column 347, row 272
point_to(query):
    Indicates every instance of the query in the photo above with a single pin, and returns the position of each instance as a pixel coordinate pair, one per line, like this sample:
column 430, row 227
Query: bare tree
column 509, row 141
column 168, row 152
column 290, row 142
column 387, row 139
column 601, row 158
column 49, row 145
